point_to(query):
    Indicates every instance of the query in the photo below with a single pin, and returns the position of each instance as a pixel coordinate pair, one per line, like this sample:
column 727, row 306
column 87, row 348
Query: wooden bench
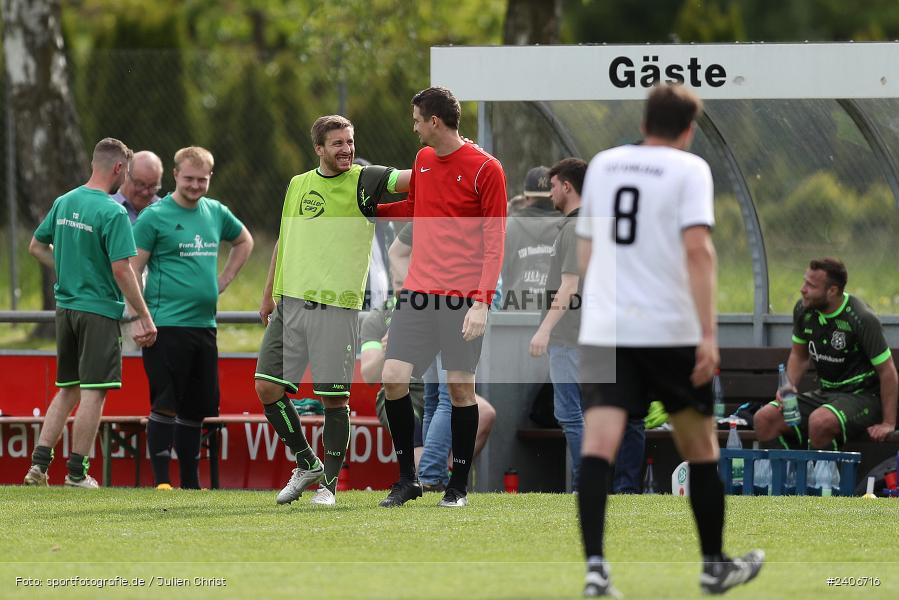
column 120, row 430
column 747, row 375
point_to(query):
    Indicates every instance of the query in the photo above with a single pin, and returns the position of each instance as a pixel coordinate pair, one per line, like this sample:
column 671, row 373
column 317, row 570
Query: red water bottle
column 343, row 478
column 510, row 481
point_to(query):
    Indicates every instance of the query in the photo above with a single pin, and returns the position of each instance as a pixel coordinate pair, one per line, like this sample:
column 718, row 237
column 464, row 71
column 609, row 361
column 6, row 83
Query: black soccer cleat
column 401, row 492
column 598, row 583
column 718, row 577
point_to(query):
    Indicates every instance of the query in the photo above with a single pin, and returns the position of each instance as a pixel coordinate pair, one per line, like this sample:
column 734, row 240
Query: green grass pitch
column 501, row 546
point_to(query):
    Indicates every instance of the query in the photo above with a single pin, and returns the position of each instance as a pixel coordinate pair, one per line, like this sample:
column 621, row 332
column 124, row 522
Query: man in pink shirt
column 457, row 201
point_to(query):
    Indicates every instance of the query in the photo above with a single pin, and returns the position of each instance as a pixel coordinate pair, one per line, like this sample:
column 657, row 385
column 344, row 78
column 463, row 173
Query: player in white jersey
column 649, row 309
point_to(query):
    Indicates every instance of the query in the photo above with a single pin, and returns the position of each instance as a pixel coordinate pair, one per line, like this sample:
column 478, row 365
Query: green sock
column 41, row 457
column 284, row 418
column 336, row 439
column 78, row 465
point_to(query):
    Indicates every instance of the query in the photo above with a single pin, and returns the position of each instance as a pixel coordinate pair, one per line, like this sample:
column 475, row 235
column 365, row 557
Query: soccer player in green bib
column 86, row 238
column 312, row 297
column 178, row 239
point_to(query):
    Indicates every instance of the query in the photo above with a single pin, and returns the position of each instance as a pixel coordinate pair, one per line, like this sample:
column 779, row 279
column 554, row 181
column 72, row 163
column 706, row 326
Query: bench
column 120, row 430
column 747, row 375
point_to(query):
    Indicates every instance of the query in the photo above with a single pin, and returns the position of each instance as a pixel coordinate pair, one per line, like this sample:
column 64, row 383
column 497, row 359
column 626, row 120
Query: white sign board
column 714, row 71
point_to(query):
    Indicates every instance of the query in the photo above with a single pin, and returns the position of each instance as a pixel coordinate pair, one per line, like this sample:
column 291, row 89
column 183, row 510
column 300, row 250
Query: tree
column 532, row 22
column 50, row 155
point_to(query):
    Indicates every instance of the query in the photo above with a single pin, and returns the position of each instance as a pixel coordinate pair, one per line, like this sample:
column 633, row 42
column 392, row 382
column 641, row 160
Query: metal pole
column 485, row 128
column 11, row 201
column 751, row 223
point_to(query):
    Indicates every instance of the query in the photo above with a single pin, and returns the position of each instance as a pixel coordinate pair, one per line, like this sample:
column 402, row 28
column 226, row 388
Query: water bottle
column 718, row 395
column 649, row 480
column 763, row 475
column 822, row 477
column 834, row 476
column 788, row 397
column 733, row 441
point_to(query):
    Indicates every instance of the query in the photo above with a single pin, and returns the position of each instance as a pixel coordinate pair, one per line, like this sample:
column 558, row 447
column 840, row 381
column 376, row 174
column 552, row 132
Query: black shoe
column 718, row 577
column 401, row 492
column 598, row 583
column 433, row 487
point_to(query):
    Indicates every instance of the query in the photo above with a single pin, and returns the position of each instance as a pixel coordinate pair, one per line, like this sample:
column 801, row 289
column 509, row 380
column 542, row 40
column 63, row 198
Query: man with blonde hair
column 86, row 238
column 178, row 241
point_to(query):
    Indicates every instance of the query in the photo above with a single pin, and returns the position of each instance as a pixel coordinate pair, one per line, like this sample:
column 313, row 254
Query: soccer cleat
column 299, row 481
column 453, row 498
column 437, row 486
column 164, row 487
column 718, row 577
column 323, row 497
column 88, row 483
column 35, row 476
column 401, row 492
column 598, row 583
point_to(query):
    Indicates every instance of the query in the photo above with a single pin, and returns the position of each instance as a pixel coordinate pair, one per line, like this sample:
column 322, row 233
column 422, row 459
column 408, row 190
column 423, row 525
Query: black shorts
column 182, row 368
column 640, row 375
column 424, row 325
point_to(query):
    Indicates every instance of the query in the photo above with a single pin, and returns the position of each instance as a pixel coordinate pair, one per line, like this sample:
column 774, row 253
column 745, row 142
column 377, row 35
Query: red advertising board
column 251, row 454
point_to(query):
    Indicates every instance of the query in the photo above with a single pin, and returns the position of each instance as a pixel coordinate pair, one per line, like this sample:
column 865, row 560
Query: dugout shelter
column 802, row 140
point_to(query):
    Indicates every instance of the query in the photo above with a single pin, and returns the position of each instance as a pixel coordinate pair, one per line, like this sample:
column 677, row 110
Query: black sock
column 187, row 445
column 593, row 491
column 401, row 419
column 160, row 434
column 284, row 418
column 78, row 465
column 336, row 439
column 464, row 422
column 41, row 457
column 707, row 500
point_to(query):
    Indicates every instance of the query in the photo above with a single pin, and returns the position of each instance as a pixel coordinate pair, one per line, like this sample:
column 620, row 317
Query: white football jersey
column 636, row 202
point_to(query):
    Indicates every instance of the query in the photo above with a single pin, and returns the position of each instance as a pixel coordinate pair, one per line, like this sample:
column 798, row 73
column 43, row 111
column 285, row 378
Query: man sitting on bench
column 855, row 369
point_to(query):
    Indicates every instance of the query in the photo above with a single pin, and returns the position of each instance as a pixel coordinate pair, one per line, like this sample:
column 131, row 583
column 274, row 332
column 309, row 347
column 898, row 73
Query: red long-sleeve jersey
column 457, row 204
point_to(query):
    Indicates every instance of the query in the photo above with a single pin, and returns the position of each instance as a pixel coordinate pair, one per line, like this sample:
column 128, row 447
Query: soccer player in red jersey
column 457, row 203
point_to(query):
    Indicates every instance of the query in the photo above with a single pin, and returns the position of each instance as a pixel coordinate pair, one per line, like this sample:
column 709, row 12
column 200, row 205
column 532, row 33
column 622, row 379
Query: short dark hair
column 835, row 269
column 670, row 109
column 109, row 151
column 571, row 170
column 439, row 102
column 323, row 125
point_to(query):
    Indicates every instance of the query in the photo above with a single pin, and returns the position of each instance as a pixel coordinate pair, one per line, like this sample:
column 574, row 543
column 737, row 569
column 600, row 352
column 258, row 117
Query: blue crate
column 848, row 462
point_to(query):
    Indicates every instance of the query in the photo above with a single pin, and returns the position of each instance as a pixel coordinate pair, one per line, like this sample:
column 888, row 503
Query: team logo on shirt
column 312, row 205
column 838, row 340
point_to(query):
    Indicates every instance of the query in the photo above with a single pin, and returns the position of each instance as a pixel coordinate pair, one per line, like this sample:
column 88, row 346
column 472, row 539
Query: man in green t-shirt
column 86, row 238
column 859, row 384
column 317, row 275
column 178, row 241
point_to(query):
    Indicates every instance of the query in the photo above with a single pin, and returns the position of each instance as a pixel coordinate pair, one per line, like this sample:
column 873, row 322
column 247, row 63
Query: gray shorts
column 305, row 333
column 88, row 350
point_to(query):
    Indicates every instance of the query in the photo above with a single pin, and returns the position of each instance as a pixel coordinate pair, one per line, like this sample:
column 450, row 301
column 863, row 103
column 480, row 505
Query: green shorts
column 855, row 412
column 88, row 350
column 303, row 333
